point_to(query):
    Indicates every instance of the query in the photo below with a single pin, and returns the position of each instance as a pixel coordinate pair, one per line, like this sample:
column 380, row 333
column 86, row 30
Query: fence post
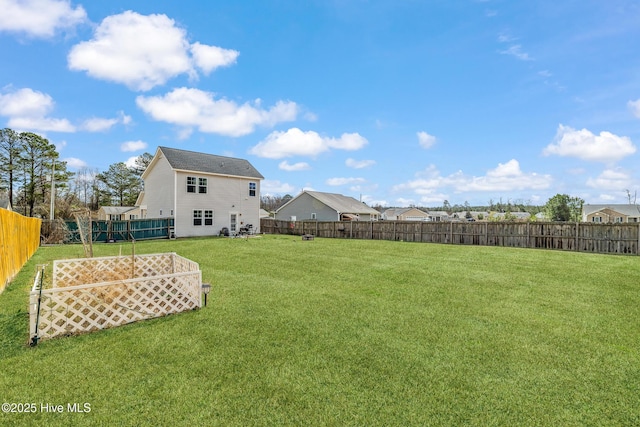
column 451, row 232
column 577, row 233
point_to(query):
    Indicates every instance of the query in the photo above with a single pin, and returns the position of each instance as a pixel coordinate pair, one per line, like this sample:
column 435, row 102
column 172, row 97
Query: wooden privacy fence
column 582, row 237
column 19, row 239
column 97, row 293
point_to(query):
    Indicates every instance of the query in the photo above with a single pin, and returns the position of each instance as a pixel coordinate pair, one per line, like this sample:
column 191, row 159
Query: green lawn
column 348, row 332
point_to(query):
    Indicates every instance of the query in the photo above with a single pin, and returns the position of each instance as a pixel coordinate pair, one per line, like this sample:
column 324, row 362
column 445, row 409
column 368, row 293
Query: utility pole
column 53, row 190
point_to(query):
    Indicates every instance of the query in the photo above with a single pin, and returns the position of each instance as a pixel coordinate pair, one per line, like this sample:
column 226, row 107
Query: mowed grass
column 348, row 332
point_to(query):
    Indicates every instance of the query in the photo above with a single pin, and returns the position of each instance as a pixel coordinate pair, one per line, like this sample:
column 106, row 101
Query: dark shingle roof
column 209, row 163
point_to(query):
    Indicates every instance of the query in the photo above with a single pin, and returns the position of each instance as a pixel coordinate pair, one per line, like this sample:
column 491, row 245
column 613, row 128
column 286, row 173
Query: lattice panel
column 90, row 308
column 77, row 272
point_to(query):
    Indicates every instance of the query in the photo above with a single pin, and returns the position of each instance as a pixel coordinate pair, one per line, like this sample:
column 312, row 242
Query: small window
column 313, row 215
column 171, row 212
column 252, row 189
column 202, row 185
column 160, row 212
column 208, row 217
column 191, row 184
column 197, row 217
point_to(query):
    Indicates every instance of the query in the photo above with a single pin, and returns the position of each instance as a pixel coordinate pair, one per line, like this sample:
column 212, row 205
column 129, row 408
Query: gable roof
column 117, row 210
column 209, row 163
column 625, row 209
column 338, row 202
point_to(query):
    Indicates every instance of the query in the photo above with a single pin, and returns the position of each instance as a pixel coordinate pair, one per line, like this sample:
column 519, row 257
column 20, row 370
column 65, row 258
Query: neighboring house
column 438, row 216
column 4, row 204
column 541, row 216
column 405, row 214
column 118, row 213
column 204, row 193
column 611, row 213
column 315, row 205
column 264, row 213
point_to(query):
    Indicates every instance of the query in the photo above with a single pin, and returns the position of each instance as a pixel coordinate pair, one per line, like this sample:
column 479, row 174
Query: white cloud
column 42, row 124
column 144, row 51
column 584, row 145
column 75, row 163
column 516, row 51
column 208, row 58
column 271, row 187
column 189, row 108
column 430, row 184
column 300, row 166
column 97, row 124
column 634, row 106
column 133, row 146
column 27, row 110
column 359, row 164
column 131, row 162
column 295, row 142
column 26, row 102
column 39, row 18
column 426, row 140
column 345, row 181
column 611, row 179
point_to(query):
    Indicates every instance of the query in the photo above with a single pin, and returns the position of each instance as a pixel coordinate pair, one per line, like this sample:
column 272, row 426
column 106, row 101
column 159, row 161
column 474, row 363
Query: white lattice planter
column 97, row 293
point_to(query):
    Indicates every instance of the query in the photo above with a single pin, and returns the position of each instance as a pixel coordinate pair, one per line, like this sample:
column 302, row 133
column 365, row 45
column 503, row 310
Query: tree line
column 32, row 175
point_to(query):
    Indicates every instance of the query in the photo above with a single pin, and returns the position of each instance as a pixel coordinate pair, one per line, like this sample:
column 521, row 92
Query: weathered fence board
column 582, row 237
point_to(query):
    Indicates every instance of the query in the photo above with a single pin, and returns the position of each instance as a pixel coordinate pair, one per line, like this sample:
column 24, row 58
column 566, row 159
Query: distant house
column 439, row 216
column 611, row 213
column 405, row 214
column 118, row 213
column 264, row 213
column 315, row 205
column 204, row 193
column 4, row 204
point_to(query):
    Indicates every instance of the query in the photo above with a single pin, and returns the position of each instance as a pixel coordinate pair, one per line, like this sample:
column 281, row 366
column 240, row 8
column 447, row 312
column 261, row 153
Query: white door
column 233, row 223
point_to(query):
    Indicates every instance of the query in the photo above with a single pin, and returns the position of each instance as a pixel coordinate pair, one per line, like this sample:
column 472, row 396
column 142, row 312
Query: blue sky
column 395, row 102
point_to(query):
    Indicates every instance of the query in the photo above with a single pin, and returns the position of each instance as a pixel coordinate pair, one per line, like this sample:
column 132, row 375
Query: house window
column 596, row 219
column 191, row 184
column 197, row 217
column 160, row 212
column 208, row 217
column 171, row 212
column 202, row 185
column 252, row 189
column 619, row 219
column 313, row 215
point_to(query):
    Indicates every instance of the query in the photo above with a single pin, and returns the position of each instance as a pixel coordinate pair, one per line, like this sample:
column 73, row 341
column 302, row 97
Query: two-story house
column 204, row 193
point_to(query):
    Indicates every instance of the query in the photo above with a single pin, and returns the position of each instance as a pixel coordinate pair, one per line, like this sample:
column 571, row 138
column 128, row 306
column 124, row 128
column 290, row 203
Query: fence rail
column 577, row 236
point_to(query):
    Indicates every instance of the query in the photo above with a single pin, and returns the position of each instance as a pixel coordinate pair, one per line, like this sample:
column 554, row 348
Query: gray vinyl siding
column 302, row 208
